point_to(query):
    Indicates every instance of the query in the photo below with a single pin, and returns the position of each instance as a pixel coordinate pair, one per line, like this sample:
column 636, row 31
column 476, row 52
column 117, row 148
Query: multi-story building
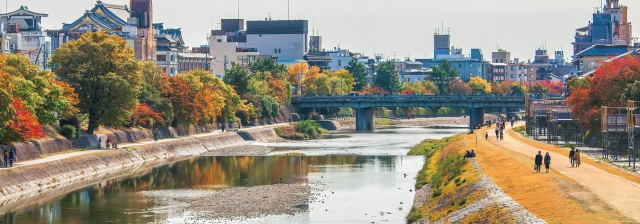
column 223, row 53
column 517, row 71
column 339, row 59
column 169, row 43
column 441, row 44
column 193, row 61
column 23, row 34
column 609, row 26
column 467, row 66
column 588, row 60
column 134, row 24
column 285, row 39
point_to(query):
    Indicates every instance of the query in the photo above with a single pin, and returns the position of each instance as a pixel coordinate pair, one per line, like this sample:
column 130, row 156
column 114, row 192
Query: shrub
column 436, row 192
column 68, row 131
column 289, row 132
column 462, row 201
column 310, row 128
column 414, row 215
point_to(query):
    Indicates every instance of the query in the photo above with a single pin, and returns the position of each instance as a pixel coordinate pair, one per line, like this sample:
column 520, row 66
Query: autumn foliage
column 145, row 116
column 24, row 126
column 606, row 87
column 373, row 90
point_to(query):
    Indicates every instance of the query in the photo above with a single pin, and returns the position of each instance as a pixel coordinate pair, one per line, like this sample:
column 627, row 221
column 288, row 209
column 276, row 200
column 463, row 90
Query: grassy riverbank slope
column 450, row 188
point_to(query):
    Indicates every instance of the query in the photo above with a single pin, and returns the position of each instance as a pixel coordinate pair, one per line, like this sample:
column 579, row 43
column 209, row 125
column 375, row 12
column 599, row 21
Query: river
column 355, row 177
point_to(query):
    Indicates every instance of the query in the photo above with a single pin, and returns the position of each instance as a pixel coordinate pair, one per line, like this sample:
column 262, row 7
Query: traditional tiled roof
column 24, row 9
column 165, row 48
column 108, row 16
column 603, row 50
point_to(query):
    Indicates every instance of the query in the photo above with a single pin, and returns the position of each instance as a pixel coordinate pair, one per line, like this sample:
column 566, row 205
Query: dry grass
column 552, row 197
column 584, row 159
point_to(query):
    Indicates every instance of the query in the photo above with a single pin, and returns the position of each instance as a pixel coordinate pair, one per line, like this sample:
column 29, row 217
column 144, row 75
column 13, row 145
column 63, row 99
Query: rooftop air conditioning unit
column 12, row 47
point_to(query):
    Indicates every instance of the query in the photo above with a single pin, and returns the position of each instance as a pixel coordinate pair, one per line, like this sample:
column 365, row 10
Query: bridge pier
column 364, row 119
column 476, row 116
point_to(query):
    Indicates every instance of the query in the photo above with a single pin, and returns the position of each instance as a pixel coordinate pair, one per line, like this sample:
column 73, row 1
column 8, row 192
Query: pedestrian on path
column 572, row 155
column 486, row 136
column 99, row 142
column 501, row 135
column 155, row 136
column 12, row 157
column 6, row 158
column 538, row 161
column 108, row 143
column 497, row 132
column 576, row 158
column 547, row 161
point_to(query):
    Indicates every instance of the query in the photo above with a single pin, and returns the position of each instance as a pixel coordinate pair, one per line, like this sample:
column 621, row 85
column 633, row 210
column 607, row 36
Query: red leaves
column 373, row 89
column 407, row 92
column 554, row 87
column 607, row 86
column 145, row 116
column 24, row 125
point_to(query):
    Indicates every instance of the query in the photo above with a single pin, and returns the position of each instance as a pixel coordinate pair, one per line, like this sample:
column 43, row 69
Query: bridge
column 364, row 105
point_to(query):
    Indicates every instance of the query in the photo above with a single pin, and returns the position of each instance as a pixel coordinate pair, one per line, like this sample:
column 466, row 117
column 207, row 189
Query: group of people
column 9, row 158
column 470, row 154
column 108, row 143
column 574, row 158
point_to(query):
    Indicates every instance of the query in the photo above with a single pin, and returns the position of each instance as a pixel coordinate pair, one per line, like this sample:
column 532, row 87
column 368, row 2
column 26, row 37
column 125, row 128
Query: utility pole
column 288, row 9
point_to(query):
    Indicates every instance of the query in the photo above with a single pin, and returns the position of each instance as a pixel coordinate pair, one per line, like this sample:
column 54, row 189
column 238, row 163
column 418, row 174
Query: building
column 467, row 66
column 285, row 39
column 587, row 60
column 501, row 56
column 608, row 26
column 497, row 71
column 134, row 25
column 23, row 34
column 339, row 59
column 193, row 61
column 517, row 71
column 441, row 44
column 223, row 53
column 169, row 43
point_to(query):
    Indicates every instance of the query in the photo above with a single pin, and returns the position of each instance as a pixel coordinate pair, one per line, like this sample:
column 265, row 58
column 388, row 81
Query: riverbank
column 587, row 194
column 452, row 189
column 34, row 180
column 417, row 122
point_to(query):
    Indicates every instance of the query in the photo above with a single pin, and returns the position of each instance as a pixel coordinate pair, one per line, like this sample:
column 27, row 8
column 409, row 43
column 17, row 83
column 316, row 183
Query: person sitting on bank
column 467, row 155
column 473, row 153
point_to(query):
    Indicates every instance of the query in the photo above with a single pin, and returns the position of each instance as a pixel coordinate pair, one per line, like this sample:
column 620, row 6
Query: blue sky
column 386, row 26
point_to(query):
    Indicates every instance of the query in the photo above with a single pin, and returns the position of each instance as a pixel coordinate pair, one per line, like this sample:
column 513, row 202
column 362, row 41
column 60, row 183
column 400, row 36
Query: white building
column 517, row 71
column 223, row 53
column 24, row 35
column 339, row 59
column 286, row 39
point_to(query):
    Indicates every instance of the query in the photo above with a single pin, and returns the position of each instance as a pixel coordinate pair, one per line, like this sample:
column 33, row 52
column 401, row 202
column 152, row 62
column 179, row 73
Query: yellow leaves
column 479, row 85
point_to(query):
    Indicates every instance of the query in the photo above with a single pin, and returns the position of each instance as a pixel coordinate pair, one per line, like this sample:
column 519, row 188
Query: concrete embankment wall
column 261, row 135
column 30, row 181
column 330, row 125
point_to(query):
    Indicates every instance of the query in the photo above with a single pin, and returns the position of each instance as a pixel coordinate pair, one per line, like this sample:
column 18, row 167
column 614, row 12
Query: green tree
column 359, row 74
column 268, row 65
column 442, row 74
column 237, row 77
column 103, row 71
column 6, row 111
column 386, row 77
column 538, row 88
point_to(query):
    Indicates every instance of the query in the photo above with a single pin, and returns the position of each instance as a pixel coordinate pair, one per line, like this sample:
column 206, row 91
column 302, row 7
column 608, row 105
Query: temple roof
column 604, row 50
column 107, row 16
column 22, row 11
column 174, row 33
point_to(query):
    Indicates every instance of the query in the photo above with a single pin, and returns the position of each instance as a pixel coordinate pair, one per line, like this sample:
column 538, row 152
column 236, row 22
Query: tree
column 342, row 82
column 373, row 90
column 24, row 126
column 518, row 89
column 387, row 78
column 538, row 88
column 503, row 88
column 103, row 71
column 309, row 80
column 146, row 117
column 157, row 103
column 6, row 110
column 416, row 87
column 295, row 71
column 607, row 87
column 457, row 86
column 553, row 87
column 268, row 65
column 359, row 73
column 442, row 74
column 153, row 75
column 37, row 89
column 237, row 77
column 182, row 96
column 479, row 85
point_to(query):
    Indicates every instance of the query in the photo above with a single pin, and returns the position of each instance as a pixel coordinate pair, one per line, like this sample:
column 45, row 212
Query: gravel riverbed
column 243, row 150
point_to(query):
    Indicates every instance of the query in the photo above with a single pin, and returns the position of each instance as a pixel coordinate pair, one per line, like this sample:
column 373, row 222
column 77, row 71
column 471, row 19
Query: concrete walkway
column 620, row 193
column 78, row 153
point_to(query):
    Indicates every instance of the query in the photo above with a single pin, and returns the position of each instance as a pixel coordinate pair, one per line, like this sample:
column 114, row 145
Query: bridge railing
column 406, row 98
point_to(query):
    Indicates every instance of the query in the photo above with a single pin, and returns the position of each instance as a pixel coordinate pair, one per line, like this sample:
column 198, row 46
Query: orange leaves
column 279, row 88
column 372, row 90
column 407, row 92
column 145, row 116
column 24, row 126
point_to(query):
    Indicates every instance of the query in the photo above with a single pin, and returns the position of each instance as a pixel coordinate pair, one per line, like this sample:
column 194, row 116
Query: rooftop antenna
column 314, row 27
column 238, row 9
column 269, row 17
column 442, row 26
column 448, row 31
column 288, row 9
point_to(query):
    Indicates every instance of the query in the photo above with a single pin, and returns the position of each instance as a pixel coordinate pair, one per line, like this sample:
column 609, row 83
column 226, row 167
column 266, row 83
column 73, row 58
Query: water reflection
column 116, row 200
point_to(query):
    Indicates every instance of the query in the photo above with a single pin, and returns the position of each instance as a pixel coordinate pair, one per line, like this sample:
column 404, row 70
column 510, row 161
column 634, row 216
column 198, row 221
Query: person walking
column 576, row 158
column 501, row 135
column 12, row 157
column 547, row 161
column 538, row 161
column 486, row 136
column 6, row 158
column 497, row 132
column 108, row 143
column 572, row 155
column 155, row 136
column 99, row 142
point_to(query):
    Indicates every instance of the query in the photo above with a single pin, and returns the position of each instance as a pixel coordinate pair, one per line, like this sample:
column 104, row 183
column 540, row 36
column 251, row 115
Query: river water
column 359, row 178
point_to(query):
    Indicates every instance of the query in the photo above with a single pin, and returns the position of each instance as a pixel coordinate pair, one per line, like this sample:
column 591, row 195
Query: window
column 470, row 65
column 496, row 60
column 459, row 65
column 279, row 50
column 173, row 71
column 339, row 62
column 513, row 68
column 275, row 50
column 531, row 69
column 501, row 61
column 593, row 64
column 161, row 58
column 470, row 74
column 513, row 76
column 219, row 40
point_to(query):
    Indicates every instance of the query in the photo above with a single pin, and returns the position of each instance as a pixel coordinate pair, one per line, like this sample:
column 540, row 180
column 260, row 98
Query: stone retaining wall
column 261, row 135
column 30, row 181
